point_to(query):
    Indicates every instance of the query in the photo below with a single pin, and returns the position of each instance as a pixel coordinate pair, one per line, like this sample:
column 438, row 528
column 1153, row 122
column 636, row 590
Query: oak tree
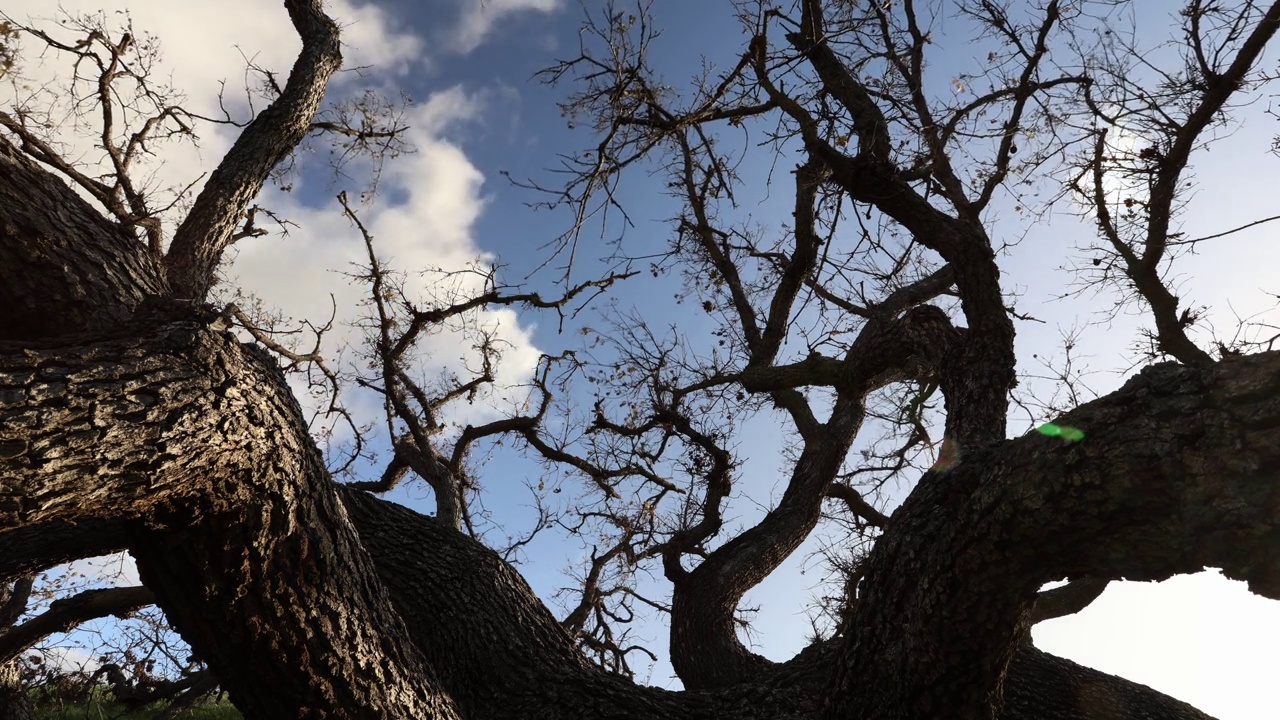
column 135, row 415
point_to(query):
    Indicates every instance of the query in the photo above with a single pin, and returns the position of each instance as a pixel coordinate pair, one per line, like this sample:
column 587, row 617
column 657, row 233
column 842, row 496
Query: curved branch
column 1211, row 94
column 1176, row 471
column 1218, row 90
column 198, row 441
column 66, row 613
column 705, row 649
column 180, row 692
column 874, row 141
column 39, row 546
column 63, row 267
column 1066, row 600
column 857, row 504
column 192, row 261
column 978, row 381
column 501, row 652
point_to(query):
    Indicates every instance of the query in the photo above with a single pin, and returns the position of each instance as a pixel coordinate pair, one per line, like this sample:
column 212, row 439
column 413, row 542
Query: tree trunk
column 127, row 419
column 502, row 653
column 1173, row 473
column 194, row 441
column 199, row 440
column 14, row 702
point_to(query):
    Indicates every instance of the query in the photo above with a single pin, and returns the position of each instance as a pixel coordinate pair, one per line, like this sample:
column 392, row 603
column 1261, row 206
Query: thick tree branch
column 706, row 651
column 198, row 437
column 857, row 504
column 874, row 141
column 196, row 251
column 977, row 382
column 32, row 548
column 447, row 586
column 1066, row 600
column 63, row 267
column 1178, row 470
column 66, row 613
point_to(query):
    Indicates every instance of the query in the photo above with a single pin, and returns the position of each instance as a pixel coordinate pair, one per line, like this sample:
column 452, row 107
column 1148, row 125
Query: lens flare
column 1066, row 432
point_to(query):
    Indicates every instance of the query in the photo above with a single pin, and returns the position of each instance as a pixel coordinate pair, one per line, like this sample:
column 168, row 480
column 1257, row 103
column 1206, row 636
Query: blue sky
column 479, row 113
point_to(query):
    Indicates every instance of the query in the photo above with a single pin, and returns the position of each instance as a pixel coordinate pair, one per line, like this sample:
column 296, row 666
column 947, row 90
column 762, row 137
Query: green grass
column 105, row 710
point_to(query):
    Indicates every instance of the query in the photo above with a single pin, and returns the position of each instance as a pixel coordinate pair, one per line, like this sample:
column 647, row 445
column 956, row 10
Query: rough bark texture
column 193, row 259
column 184, row 429
column 50, row 237
column 705, row 649
column 1175, row 473
column 195, row 436
column 131, row 420
column 1047, row 687
column 14, row 702
column 35, row 547
column 503, row 655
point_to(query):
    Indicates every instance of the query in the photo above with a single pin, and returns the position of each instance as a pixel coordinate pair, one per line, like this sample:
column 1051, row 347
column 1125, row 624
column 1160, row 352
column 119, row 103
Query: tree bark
column 243, row 541
column 127, row 420
column 14, row 702
column 52, row 241
column 198, row 439
column 504, row 655
column 1174, row 472
column 37, row 547
column 705, row 650
column 192, row 262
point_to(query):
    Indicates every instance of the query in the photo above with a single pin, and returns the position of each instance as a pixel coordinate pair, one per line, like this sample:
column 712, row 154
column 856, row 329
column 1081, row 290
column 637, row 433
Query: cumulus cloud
column 205, row 49
column 207, row 42
column 479, row 18
column 429, row 200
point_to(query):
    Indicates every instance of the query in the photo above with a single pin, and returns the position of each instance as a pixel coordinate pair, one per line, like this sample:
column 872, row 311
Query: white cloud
column 117, row 569
column 70, row 659
column 429, row 203
column 479, row 18
column 370, row 40
column 431, row 199
column 203, row 42
column 202, row 47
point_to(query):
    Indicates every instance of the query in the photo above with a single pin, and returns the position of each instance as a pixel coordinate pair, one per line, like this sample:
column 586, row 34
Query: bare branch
column 66, row 613
column 857, row 504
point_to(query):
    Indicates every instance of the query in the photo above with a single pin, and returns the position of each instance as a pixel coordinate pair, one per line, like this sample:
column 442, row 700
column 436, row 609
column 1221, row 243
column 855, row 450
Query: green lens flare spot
column 1066, row 432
